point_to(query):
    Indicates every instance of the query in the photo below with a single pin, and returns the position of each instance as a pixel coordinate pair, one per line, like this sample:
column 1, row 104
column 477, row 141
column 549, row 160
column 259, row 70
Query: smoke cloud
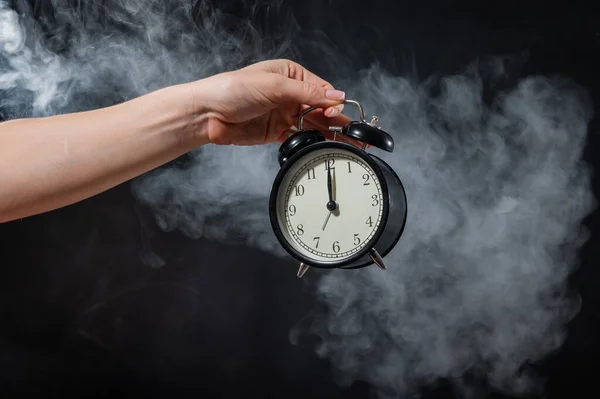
column 496, row 189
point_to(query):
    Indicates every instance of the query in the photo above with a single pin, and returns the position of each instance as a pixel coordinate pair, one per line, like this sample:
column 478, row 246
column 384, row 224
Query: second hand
column 326, row 220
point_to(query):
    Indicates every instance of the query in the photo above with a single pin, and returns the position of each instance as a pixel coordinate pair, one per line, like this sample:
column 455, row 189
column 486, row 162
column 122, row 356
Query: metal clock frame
column 277, row 187
column 382, row 140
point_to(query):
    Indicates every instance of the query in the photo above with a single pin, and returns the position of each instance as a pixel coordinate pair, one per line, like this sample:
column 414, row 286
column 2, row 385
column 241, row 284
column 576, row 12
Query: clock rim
column 276, row 187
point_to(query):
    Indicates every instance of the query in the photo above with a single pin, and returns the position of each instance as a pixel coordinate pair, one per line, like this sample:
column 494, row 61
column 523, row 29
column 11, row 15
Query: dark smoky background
column 172, row 286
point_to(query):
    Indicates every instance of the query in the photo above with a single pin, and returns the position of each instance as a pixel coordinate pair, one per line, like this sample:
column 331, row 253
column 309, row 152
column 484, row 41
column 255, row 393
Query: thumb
column 286, row 90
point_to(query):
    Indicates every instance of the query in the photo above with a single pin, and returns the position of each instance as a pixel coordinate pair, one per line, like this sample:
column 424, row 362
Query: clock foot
column 303, row 268
column 377, row 259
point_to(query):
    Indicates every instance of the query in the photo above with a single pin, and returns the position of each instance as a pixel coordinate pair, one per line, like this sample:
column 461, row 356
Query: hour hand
column 333, row 194
column 331, row 205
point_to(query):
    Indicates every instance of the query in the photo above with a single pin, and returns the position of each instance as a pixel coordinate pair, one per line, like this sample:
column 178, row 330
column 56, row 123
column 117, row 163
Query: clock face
column 329, row 205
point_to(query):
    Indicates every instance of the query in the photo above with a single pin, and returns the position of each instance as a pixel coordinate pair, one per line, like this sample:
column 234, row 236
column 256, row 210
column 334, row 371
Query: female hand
column 259, row 103
column 71, row 157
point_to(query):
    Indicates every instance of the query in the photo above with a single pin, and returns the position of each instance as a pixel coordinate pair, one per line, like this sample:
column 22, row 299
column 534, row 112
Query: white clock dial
column 309, row 225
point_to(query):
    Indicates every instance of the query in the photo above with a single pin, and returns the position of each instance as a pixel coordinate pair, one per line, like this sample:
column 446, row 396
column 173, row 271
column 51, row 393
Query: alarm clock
column 333, row 204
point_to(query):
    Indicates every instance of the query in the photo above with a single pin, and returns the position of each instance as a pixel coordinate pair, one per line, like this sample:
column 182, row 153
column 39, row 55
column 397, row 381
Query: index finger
column 293, row 70
column 289, row 69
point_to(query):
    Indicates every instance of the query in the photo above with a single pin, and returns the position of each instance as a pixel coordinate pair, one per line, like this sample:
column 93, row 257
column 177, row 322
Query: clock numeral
column 356, row 239
column 317, row 240
column 369, row 222
column 299, row 190
column 366, row 177
column 336, row 246
column 375, row 200
column 329, row 164
column 292, row 210
column 311, row 173
column 349, row 168
column 300, row 229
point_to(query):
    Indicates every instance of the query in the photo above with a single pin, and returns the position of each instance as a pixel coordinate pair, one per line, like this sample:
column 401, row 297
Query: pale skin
column 48, row 163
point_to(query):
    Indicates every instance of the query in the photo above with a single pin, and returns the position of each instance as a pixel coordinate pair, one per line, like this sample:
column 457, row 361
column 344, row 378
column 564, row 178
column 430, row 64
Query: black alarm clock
column 334, row 205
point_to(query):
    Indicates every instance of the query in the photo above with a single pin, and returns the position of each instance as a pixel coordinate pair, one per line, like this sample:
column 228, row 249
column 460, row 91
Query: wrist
column 201, row 97
column 174, row 109
column 191, row 113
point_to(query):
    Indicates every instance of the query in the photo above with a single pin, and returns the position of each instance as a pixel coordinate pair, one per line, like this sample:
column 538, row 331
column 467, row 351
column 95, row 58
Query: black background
column 82, row 315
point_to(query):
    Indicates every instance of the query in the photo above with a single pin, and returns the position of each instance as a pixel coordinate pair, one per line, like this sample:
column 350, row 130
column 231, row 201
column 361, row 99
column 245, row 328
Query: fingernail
column 333, row 112
column 335, row 94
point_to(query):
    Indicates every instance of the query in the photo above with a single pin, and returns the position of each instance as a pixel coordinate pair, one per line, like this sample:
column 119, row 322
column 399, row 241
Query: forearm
column 47, row 163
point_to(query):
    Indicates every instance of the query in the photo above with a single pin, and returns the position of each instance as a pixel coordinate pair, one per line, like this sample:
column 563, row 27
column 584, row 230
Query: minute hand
column 329, row 185
column 331, row 205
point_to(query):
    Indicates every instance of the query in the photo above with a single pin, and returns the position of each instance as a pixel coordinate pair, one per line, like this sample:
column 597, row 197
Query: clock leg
column 377, row 259
column 303, row 268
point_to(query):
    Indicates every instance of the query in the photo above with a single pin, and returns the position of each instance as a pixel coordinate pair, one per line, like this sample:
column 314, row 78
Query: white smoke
column 477, row 283
column 496, row 191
